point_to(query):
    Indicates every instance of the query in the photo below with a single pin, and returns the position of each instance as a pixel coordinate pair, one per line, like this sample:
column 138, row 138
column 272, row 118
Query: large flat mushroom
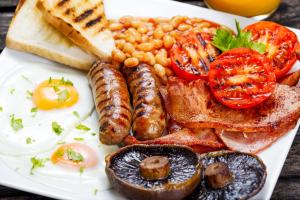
column 229, row 176
column 154, row 172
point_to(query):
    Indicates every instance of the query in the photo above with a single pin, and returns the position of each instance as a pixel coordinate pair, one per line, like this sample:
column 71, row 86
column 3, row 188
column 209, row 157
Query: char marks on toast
column 62, row 2
column 84, row 15
column 29, row 32
column 89, row 16
column 83, row 22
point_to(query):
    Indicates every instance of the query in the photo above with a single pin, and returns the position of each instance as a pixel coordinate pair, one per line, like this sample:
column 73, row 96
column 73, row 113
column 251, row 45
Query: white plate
column 273, row 157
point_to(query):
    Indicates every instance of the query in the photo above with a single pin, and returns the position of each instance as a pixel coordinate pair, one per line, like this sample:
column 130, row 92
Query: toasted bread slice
column 30, row 33
column 83, row 22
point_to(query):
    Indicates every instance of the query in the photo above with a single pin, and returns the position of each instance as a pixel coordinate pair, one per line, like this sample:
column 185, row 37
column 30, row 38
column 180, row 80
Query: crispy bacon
column 195, row 114
column 291, row 79
column 249, row 130
column 192, row 105
column 202, row 141
column 251, row 142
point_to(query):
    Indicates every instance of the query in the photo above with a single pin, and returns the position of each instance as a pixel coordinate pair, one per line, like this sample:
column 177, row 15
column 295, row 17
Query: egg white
column 14, row 100
column 68, row 179
column 16, row 154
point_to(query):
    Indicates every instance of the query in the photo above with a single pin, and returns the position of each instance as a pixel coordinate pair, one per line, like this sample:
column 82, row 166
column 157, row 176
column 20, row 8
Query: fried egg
column 40, row 104
column 55, row 94
column 86, row 167
column 49, row 129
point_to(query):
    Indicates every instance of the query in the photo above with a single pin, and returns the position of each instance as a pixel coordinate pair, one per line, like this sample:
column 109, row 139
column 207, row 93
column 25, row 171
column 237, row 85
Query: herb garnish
column 82, row 127
column 95, row 191
column 61, row 142
column 29, row 140
column 79, row 139
column 29, row 94
column 63, row 95
column 57, row 128
column 34, row 111
column 76, row 114
column 55, row 88
column 65, row 82
column 12, row 90
column 37, row 163
column 225, row 40
column 81, row 170
column 74, row 156
column 16, row 124
column 26, row 78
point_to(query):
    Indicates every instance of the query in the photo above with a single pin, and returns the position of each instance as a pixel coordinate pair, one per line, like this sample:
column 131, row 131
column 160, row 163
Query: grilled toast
column 30, row 33
column 83, row 22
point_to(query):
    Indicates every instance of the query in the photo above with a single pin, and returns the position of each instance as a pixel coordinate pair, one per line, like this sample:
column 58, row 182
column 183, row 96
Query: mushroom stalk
column 218, row 175
column 155, row 168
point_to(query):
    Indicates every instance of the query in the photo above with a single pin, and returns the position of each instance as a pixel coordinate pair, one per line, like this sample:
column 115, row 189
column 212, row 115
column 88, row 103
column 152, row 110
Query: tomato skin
column 281, row 44
column 191, row 55
column 298, row 51
column 181, row 73
column 241, row 78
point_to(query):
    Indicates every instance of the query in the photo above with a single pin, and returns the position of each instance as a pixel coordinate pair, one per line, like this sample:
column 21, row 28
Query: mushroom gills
column 218, row 175
column 154, row 172
column 229, row 176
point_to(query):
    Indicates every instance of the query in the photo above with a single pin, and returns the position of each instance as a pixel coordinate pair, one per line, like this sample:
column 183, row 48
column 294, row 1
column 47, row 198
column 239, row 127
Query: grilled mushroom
column 229, row 175
column 154, row 172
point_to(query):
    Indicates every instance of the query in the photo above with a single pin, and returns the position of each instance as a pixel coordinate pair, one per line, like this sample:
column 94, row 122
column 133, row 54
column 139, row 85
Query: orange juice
column 247, row 8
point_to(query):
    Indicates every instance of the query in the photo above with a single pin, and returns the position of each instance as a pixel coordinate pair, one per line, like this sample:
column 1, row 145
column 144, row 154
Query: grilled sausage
column 112, row 102
column 148, row 116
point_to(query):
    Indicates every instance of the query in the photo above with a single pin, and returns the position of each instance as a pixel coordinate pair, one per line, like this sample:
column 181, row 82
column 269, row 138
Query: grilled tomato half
column 192, row 54
column 241, row 78
column 281, row 44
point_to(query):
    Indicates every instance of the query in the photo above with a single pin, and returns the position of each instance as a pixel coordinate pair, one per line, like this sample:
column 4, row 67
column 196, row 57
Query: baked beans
column 147, row 40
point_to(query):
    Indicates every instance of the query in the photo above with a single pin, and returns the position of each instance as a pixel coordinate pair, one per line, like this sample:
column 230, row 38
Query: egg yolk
column 75, row 155
column 55, row 93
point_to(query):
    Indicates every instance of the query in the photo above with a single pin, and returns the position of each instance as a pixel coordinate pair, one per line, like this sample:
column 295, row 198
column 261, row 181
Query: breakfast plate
column 21, row 72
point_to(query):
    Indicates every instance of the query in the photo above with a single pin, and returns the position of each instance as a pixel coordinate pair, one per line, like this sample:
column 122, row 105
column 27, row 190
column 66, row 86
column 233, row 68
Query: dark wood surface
column 288, row 185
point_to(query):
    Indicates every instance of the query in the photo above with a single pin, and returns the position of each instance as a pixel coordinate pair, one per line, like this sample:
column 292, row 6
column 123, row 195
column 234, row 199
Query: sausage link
column 112, row 102
column 149, row 119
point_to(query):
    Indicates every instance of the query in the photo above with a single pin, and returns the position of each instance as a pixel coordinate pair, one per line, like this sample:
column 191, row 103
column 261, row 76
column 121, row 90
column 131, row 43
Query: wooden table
column 288, row 185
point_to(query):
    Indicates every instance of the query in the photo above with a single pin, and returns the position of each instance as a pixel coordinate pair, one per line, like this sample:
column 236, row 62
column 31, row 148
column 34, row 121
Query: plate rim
column 19, row 186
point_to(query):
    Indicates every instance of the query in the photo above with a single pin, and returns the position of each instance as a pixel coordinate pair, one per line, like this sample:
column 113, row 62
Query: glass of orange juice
column 258, row 9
